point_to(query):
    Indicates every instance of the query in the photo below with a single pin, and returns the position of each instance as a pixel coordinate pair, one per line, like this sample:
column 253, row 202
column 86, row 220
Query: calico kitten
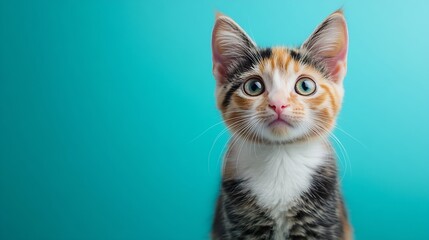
column 280, row 104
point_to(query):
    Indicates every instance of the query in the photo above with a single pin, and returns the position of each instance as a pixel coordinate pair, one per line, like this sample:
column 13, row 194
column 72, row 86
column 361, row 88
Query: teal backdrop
column 109, row 130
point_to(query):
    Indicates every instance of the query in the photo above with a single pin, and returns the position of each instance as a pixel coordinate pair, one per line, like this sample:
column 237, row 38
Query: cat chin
column 280, row 133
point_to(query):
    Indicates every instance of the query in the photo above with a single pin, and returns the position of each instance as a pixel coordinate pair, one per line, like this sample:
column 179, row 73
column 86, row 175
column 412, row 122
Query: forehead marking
column 278, row 57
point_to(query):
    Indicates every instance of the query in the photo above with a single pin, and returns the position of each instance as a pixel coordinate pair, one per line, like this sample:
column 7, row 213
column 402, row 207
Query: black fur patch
column 228, row 94
column 238, row 216
column 308, row 60
column 265, row 53
column 295, row 55
column 243, row 65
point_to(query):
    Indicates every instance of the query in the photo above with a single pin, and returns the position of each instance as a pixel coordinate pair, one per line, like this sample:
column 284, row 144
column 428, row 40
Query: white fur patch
column 277, row 174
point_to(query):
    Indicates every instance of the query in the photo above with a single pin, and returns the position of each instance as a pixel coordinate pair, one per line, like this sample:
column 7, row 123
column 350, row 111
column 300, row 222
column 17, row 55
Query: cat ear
column 229, row 44
column 329, row 44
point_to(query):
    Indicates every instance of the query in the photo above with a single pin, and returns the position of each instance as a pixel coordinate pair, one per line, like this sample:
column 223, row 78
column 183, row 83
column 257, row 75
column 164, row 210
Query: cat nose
column 278, row 107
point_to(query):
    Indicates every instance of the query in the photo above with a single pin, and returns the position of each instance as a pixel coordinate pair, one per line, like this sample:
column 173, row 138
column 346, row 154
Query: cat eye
column 305, row 86
column 254, row 87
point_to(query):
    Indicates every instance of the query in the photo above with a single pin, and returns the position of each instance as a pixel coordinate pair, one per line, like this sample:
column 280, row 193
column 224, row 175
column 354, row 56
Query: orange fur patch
column 296, row 66
column 279, row 59
column 347, row 229
column 332, row 98
column 317, row 101
column 242, row 103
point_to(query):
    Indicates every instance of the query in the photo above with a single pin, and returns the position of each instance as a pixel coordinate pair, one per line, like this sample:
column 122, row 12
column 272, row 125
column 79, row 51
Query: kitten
column 280, row 175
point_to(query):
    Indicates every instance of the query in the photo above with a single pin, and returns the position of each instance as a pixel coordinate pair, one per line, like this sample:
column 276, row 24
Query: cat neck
column 276, row 174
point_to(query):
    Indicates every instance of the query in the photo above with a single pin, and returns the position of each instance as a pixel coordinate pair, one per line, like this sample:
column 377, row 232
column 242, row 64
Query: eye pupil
column 305, row 86
column 255, row 86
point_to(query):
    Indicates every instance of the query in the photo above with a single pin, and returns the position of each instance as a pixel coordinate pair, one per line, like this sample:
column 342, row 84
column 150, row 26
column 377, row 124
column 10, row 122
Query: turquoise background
column 101, row 102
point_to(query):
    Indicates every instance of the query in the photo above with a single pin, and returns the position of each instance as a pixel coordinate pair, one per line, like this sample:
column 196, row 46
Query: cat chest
column 277, row 178
column 280, row 182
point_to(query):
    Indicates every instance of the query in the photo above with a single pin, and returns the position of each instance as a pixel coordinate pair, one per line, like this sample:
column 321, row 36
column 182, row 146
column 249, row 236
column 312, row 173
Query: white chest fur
column 277, row 174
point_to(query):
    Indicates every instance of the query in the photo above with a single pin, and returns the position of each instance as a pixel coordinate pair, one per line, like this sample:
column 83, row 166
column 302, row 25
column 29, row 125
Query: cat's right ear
column 329, row 44
column 229, row 44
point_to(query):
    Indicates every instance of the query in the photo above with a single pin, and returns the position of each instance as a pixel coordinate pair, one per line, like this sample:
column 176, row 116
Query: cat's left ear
column 329, row 44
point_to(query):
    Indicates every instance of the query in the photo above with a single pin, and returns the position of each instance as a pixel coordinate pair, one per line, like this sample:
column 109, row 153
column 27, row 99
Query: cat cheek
column 261, row 105
column 242, row 102
column 325, row 114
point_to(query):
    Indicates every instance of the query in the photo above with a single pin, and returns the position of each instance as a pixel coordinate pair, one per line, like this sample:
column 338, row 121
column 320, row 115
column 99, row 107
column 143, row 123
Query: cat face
column 280, row 95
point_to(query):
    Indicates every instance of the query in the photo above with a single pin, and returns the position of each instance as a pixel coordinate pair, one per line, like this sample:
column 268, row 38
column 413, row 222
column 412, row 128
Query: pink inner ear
column 334, row 63
column 219, row 72
column 219, row 69
column 219, row 63
column 337, row 63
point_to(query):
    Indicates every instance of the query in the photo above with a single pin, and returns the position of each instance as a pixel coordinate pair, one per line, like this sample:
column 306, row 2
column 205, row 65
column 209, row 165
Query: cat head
column 280, row 94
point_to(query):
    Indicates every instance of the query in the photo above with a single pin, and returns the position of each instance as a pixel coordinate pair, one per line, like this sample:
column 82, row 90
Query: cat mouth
column 279, row 122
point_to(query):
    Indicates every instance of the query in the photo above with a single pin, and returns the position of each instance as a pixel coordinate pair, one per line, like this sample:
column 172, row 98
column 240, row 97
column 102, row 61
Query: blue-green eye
column 254, row 87
column 305, row 86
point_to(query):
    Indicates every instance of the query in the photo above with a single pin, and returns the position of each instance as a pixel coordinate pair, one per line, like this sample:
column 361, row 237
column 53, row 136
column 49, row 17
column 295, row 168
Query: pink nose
column 278, row 107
